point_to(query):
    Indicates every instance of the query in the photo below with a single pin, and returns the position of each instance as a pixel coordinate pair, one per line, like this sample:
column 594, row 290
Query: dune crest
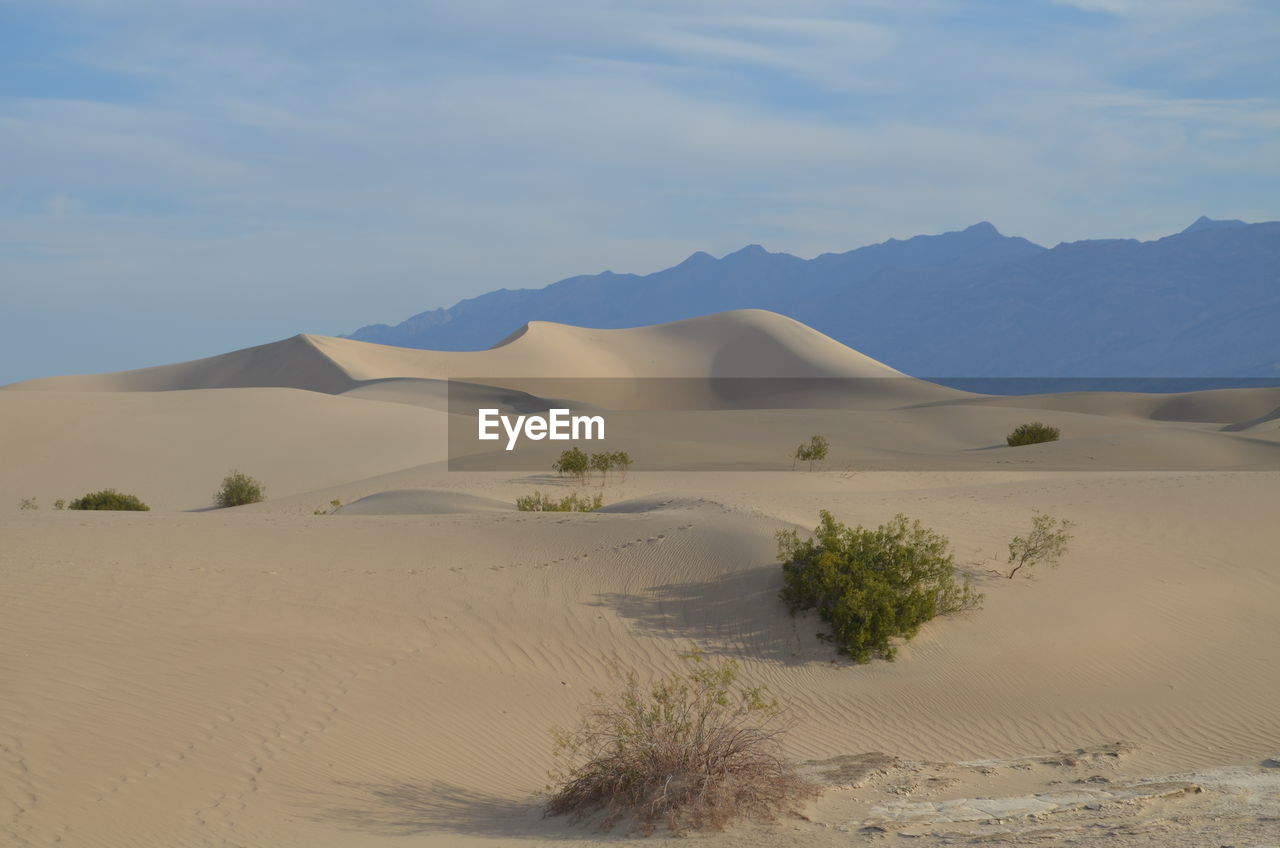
column 742, row 343
column 293, row 363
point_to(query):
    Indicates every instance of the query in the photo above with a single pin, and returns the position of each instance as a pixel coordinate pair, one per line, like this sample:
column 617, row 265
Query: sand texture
column 387, row 671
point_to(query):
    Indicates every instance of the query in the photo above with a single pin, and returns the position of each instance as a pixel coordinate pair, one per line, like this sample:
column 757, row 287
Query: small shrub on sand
column 1032, row 434
column 573, row 463
column 60, row 503
column 578, row 465
column 871, row 586
column 334, row 506
column 814, row 451
column 1047, row 543
column 692, row 751
column 620, row 460
column 538, row 502
column 27, row 504
column 239, row 489
column 606, row 462
column 109, row 499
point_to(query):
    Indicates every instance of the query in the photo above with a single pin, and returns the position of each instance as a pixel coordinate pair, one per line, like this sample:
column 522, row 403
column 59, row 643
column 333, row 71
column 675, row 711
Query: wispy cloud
column 1162, row 8
column 327, row 165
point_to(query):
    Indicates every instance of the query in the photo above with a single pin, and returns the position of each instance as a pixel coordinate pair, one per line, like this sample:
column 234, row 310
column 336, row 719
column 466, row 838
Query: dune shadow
column 409, row 808
column 733, row 614
column 551, row 479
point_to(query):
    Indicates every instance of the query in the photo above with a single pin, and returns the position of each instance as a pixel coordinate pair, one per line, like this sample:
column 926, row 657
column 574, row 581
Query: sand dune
column 294, row 363
column 1213, row 406
column 422, row 502
column 172, row 449
column 1257, row 423
column 389, row 674
column 745, row 343
column 333, row 680
column 557, row 360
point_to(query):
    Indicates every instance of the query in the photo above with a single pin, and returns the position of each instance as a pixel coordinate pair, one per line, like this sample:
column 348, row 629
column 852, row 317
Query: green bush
column 578, row 465
column 573, row 463
column 871, row 586
column 813, row 452
column 334, row 506
column 1032, row 434
column 1046, row 542
column 691, row 751
column 109, row 499
column 606, row 462
column 239, row 489
column 538, row 502
column 620, row 460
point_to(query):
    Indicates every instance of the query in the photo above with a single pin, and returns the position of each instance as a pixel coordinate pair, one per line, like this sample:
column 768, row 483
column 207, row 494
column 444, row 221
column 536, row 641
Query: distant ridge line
column 1204, row 302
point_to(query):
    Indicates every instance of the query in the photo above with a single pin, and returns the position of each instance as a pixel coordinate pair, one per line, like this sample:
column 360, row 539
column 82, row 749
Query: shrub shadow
column 407, row 808
column 733, row 614
column 553, row 479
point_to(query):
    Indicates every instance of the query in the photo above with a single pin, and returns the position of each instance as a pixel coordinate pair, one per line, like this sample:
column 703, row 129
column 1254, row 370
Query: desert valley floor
column 389, row 672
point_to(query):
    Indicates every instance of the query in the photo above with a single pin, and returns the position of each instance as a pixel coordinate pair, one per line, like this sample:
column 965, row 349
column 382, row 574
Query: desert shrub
column 692, row 750
column 620, row 460
column 578, row 465
column 239, row 489
column 26, row 504
column 606, row 462
column 538, row 502
column 815, row 450
column 1032, row 434
column 60, row 503
column 573, row 463
column 871, row 586
column 109, row 499
column 1047, row 542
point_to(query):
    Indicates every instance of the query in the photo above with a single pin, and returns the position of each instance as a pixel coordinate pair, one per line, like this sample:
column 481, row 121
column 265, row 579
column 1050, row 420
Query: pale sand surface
column 389, row 675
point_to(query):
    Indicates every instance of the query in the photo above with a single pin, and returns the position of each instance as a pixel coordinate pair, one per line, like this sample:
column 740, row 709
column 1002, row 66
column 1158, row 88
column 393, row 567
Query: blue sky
column 182, row 179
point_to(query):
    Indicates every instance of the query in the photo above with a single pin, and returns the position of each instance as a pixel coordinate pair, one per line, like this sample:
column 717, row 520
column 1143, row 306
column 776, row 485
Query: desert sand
column 388, row 673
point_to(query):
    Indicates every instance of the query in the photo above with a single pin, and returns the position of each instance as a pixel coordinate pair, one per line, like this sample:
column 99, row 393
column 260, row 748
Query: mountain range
column 1203, row 303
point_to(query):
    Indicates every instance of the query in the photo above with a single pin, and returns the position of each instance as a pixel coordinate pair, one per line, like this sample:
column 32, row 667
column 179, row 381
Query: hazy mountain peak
column 1204, row 222
column 749, row 252
column 696, row 259
column 983, row 228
